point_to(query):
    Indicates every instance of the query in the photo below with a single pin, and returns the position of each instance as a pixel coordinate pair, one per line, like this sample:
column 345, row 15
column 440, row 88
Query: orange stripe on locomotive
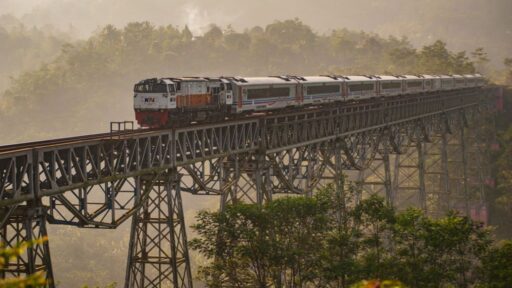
column 192, row 101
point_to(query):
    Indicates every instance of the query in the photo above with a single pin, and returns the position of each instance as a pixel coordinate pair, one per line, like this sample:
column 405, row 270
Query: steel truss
column 425, row 171
column 27, row 223
column 399, row 146
column 158, row 254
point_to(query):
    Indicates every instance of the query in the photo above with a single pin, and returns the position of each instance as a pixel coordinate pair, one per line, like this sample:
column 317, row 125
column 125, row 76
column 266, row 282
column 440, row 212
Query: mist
column 65, row 71
column 464, row 24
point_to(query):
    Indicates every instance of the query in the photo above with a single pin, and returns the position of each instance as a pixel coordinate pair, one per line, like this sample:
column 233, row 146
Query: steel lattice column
column 409, row 176
column 437, row 191
column 158, row 253
column 245, row 178
column 300, row 170
column 25, row 224
column 376, row 178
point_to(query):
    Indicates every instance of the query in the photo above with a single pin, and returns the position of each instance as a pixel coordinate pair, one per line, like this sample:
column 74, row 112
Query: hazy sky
column 465, row 24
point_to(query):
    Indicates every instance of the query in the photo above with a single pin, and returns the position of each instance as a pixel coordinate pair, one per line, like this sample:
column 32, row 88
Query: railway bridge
column 425, row 150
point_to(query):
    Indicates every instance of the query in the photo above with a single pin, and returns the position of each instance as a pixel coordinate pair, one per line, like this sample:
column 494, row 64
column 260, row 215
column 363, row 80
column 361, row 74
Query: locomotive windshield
column 150, row 88
column 226, row 86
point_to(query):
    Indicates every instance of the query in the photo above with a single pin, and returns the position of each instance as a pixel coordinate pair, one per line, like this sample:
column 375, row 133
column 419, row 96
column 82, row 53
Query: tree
column 497, row 266
column 508, row 65
column 339, row 257
column 214, row 34
column 329, row 240
column 437, row 59
column 186, row 34
column 35, row 280
column 253, row 246
column 375, row 218
column 481, row 59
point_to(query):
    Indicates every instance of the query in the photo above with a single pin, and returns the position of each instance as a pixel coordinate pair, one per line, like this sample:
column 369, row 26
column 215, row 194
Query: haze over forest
column 464, row 24
column 65, row 71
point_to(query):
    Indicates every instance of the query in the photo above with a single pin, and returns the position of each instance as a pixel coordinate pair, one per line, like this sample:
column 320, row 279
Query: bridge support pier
column 158, row 252
column 25, row 224
column 245, row 178
column 376, row 178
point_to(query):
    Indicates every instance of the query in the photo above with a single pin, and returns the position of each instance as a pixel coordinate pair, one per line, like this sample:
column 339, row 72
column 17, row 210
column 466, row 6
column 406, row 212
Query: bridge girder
column 97, row 184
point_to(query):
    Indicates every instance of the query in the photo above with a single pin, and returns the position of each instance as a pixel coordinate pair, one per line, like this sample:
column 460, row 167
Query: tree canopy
column 93, row 79
column 299, row 241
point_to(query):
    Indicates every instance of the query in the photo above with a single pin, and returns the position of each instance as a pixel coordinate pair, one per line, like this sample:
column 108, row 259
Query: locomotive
column 166, row 102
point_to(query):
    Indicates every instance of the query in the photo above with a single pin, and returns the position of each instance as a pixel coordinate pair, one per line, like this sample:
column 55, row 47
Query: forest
column 52, row 85
column 86, row 85
column 330, row 240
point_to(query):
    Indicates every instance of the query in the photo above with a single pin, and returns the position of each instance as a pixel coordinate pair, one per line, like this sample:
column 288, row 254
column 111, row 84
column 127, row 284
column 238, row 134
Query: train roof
column 187, row 79
column 388, row 77
column 319, row 79
column 428, row 76
column 411, row 77
column 360, row 78
column 244, row 81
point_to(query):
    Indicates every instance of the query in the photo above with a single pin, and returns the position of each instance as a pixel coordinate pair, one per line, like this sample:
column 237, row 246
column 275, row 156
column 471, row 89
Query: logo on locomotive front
column 149, row 100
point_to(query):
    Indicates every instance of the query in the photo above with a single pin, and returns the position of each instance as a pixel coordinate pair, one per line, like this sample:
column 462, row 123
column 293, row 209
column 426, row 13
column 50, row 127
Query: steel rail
column 20, row 147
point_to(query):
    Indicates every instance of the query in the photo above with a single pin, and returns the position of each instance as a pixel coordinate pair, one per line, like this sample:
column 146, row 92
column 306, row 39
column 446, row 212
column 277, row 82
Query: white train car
column 320, row 89
column 389, row 85
column 480, row 80
column 459, row 81
column 447, row 82
column 264, row 93
column 413, row 84
column 431, row 83
column 470, row 80
column 161, row 102
column 360, row 87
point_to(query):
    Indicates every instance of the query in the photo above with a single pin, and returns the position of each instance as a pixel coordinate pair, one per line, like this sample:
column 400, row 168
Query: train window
column 414, row 84
column 171, row 88
column 391, row 85
column 260, row 93
column 158, row 88
column 460, row 81
column 229, row 86
column 257, row 93
column 361, row 87
column 447, row 83
column 311, row 90
column 279, row 92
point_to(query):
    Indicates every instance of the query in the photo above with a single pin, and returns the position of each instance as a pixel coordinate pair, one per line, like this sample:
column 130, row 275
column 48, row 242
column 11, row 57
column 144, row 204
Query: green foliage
column 252, row 246
column 437, row 252
column 331, row 240
column 6, row 254
column 508, row 71
column 111, row 285
column 437, row 59
column 93, row 78
column 378, row 284
column 497, row 266
column 481, row 59
column 25, row 49
column 501, row 195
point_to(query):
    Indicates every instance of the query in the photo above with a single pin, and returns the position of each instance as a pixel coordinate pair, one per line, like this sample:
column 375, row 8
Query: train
column 171, row 102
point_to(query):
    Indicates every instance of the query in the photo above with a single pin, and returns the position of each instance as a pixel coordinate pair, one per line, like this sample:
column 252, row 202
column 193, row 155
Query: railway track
column 13, row 148
column 69, row 140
